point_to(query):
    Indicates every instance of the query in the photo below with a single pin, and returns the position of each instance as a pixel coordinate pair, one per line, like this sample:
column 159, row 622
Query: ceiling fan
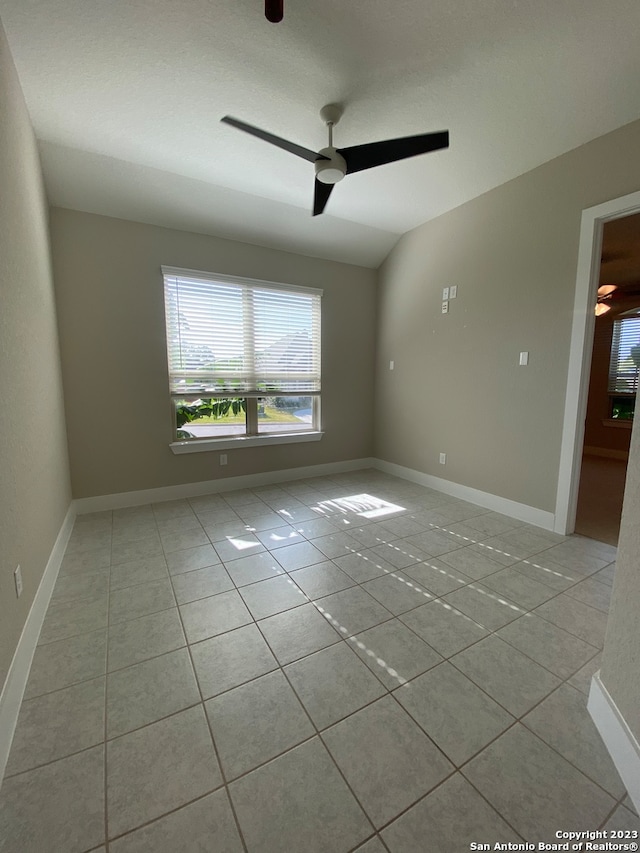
column 332, row 164
column 615, row 295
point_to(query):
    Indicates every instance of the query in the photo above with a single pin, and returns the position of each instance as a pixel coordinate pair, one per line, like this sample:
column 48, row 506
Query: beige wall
column 111, row 316
column 34, row 475
column 457, row 386
column 620, row 670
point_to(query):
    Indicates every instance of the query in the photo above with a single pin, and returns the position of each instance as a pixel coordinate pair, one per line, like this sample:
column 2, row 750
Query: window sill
column 620, row 423
column 203, row 445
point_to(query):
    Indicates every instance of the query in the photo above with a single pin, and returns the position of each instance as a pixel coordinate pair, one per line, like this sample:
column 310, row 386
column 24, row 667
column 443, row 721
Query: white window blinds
column 229, row 335
column 625, row 356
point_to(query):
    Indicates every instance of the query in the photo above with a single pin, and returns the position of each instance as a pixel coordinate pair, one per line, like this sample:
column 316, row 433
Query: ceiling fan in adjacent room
column 618, row 296
column 332, row 164
column 605, row 294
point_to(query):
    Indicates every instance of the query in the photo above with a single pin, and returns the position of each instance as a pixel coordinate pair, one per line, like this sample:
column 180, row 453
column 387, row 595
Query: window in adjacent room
column 243, row 356
column 624, row 367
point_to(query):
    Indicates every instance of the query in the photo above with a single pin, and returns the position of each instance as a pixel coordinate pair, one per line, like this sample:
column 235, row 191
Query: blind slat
column 240, row 336
column 623, row 369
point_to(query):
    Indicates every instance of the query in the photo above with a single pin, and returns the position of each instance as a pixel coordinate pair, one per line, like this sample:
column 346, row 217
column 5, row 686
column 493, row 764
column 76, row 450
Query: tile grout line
column 281, row 668
column 180, row 710
column 172, row 811
column 319, row 732
column 409, row 566
column 360, row 584
column 357, row 583
column 211, row 735
column 516, row 720
column 344, row 639
column 315, row 728
column 392, row 694
column 512, row 725
column 563, row 681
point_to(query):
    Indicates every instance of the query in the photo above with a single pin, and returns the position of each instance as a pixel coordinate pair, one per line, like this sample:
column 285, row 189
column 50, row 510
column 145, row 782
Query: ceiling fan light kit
column 332, row 164
column 333, row 169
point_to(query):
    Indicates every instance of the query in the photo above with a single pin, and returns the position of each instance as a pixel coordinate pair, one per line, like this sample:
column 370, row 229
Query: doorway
column 613, row 382
column 590, row 259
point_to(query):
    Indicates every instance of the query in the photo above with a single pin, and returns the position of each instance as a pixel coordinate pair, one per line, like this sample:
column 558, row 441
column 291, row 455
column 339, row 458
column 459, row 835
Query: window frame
column 616, row 376
column 252, row 437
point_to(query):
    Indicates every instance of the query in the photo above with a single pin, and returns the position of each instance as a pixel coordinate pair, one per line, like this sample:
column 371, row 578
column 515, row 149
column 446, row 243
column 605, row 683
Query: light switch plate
column 445, row 293
column 453, row 291
column 524, row 359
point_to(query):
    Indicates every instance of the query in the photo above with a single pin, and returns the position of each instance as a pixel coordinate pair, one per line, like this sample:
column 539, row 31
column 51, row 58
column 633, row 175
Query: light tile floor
column 337, row 664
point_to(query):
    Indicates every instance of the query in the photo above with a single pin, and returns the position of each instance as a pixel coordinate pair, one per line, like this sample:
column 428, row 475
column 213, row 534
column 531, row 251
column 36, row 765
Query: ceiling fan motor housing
column 333, row 169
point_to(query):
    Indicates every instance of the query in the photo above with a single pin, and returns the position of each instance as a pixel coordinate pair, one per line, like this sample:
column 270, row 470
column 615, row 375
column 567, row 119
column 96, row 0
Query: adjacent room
column 613, row 383
column 319, row 346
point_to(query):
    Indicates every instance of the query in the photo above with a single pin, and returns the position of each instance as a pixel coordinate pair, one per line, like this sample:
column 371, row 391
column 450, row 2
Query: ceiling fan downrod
column 274, row 10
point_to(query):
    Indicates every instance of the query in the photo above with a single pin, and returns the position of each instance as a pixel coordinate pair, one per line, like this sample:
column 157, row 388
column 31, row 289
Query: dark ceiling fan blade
column 360, row 157
column 321, row 195
column 291, row 147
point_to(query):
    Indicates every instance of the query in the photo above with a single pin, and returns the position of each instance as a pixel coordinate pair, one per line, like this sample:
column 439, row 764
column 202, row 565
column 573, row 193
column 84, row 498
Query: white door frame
column 575, row 409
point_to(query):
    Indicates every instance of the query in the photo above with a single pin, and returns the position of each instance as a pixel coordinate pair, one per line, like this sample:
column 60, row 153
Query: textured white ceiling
column 123, row 91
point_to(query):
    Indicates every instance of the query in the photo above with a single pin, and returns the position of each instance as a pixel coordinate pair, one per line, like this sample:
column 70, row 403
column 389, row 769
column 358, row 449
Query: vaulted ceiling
column 126, row 98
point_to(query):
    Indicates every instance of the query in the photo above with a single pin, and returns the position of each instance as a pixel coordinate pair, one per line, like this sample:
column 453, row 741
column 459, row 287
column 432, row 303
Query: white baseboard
column 16, row 681
column 207, row 487
column 617, row 736
column 530, row 514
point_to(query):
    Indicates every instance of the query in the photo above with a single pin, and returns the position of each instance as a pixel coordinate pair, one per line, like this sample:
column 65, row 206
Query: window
column 624, row 367
column 243, row 357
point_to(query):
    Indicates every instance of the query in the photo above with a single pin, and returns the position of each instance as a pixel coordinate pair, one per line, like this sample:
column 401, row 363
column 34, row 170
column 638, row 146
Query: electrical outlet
column 223, row 458
column 17, row 577
column 453, row 291
column 443, row 458
column 445, row 307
